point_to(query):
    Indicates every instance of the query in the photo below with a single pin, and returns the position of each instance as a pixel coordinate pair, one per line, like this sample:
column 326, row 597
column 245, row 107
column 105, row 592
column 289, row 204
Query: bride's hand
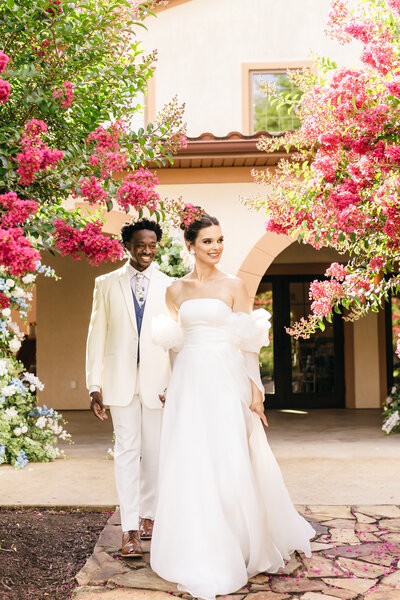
column 258, row 408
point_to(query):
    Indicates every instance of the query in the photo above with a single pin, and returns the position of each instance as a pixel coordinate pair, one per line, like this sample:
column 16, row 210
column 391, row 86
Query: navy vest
column 139, row 311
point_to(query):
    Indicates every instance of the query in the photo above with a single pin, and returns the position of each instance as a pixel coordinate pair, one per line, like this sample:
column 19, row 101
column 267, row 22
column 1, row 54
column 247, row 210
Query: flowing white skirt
column 224, row 513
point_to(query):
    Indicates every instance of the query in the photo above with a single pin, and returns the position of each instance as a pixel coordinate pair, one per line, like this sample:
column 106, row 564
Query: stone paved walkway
column 356, row 554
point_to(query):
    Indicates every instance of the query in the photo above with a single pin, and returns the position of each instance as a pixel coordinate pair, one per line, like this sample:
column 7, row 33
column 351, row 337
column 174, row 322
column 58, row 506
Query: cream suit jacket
column 111, row 350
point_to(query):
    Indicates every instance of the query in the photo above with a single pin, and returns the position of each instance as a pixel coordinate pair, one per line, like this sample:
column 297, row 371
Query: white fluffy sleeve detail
column 167, row 333
column 251, row 332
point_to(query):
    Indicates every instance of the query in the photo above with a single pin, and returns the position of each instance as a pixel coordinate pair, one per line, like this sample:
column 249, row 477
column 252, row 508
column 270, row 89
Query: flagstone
column 342, row 594
column 367, row 537
column 361, row 569
column 317, row 526
column 115, row 518
column 383, row 592
column 110, row 538
column 259, row 596
column 100, row 593
column 344, row 536
column 391, row 524
column 334, row 512
column 143, row 579
column 364, row 518
column 318, row 566
column 392, row 580
column 355, row 585
column 287, row 584
column 393, row 538
column 366, row 528
column 389, row 511
column 99, row 568
column 340, row 523
column 318, row 596
column 361, row 550
column 317, row 546
column 260, row 578
column 290, row 566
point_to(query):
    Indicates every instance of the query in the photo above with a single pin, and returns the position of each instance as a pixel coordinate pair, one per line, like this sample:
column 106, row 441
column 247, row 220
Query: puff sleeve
column 250, row 333
column 167, row 333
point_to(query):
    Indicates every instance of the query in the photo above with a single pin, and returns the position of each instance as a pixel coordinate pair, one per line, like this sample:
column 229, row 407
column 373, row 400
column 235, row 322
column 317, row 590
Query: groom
column 127, row 372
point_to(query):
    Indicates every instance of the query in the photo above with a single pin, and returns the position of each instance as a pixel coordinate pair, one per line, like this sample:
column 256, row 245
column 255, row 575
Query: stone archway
column 262, row 254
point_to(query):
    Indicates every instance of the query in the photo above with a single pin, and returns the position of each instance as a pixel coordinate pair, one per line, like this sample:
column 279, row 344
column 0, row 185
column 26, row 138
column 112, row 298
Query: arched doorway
column 297, row 373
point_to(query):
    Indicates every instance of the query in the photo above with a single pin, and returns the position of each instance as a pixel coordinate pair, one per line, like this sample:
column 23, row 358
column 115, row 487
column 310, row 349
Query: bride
column 223, row 513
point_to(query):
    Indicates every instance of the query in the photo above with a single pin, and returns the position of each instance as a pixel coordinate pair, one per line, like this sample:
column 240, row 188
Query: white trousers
column 136, row 456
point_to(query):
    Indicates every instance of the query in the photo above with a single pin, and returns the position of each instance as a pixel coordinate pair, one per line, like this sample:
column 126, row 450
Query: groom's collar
column 133, row 272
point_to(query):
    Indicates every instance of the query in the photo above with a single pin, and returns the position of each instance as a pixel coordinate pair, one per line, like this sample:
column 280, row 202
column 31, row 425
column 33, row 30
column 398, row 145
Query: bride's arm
column 242, row 303
column 170, row 302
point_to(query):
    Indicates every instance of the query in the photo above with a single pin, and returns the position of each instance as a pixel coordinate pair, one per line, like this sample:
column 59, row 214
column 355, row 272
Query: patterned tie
column 139, row 292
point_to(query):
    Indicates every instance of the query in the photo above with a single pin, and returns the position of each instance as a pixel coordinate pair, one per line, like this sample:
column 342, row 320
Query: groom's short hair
column 129, row 229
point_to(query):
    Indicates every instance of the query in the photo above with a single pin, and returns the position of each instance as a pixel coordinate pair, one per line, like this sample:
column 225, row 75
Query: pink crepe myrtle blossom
column 16, row 211
column 394, row 5
column 5, row 89
column 88, row 242
column 376, row 263
column 337, row 271
column 66, row 93
column 35, row 155
column 92, row 190
column 3, row 61
column 16, row 252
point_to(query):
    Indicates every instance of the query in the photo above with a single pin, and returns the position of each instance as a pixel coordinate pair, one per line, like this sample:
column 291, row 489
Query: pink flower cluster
column 87, row 242
column 55, row 8
column 376, row 263
column 324, row 295
column 92, row 190
column 4, row 301
column 16, row 211
column 5, row 90
column 35, row 155
column 66, row 93
column 137, row 190
column 189, row 214
column 3, row 61
column 16, row 251
column 107, row 152
column 394, row 5
column 337, row 271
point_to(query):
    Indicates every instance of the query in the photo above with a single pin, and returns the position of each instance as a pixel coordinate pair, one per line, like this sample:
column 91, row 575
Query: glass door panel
column 264, row 300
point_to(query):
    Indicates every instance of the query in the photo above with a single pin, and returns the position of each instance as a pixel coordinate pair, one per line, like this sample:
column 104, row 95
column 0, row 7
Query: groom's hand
column 162, row 397
column 97, row 406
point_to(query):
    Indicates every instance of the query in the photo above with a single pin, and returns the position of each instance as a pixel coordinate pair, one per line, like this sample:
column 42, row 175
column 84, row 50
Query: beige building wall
column 202, row 45
column 63, row 313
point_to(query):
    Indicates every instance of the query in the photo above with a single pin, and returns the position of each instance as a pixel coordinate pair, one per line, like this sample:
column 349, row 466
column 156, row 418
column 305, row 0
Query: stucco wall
column 63, row 313
column 202, row 44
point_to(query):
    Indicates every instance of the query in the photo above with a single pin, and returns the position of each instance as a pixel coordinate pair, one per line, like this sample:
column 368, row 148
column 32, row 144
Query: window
column 266, row 115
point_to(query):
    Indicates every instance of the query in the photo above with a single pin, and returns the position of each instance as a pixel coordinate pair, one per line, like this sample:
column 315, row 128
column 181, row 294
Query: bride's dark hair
column 191, row 231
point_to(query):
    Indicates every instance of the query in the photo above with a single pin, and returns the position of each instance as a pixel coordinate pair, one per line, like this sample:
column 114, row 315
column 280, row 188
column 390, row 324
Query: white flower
column 6, row 312
column 393, row 390
column 33, row 381
column 41, row 422
column 56, row 429
column 24, row 429
column 3, row 367
column 18, row 292
column 29, row 278
column 183, row 254
column 11, row 412
column 18, row 431
column 391, row 422
column 15, row 344
column 165, row 259
column 9, row 283
column 8, row 390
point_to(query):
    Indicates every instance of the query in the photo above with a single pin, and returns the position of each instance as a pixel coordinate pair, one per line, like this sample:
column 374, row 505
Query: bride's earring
column 192, row 252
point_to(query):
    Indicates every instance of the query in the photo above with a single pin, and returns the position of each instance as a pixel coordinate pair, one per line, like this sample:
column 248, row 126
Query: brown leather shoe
column 131, row 545
column 146, row 529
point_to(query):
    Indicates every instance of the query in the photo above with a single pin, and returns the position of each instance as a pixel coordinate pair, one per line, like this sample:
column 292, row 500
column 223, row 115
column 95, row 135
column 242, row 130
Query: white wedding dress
column 224, row 513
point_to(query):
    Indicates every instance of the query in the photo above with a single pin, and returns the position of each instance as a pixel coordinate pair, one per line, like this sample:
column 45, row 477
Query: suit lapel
column 125, row 284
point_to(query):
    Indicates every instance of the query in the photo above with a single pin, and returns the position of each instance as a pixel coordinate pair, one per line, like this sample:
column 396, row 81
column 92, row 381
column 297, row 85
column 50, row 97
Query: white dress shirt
column 146, row 281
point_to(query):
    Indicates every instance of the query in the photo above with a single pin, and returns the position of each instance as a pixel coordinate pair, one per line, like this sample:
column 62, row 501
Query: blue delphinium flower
column 21, row 461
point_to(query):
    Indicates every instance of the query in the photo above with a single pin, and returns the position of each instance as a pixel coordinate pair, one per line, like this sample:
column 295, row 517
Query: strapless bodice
column 205, row 321
column 210, row 321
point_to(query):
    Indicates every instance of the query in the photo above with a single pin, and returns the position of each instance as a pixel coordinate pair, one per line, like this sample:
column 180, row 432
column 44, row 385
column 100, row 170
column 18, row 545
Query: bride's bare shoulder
column 234, row 283
column 175, row 288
